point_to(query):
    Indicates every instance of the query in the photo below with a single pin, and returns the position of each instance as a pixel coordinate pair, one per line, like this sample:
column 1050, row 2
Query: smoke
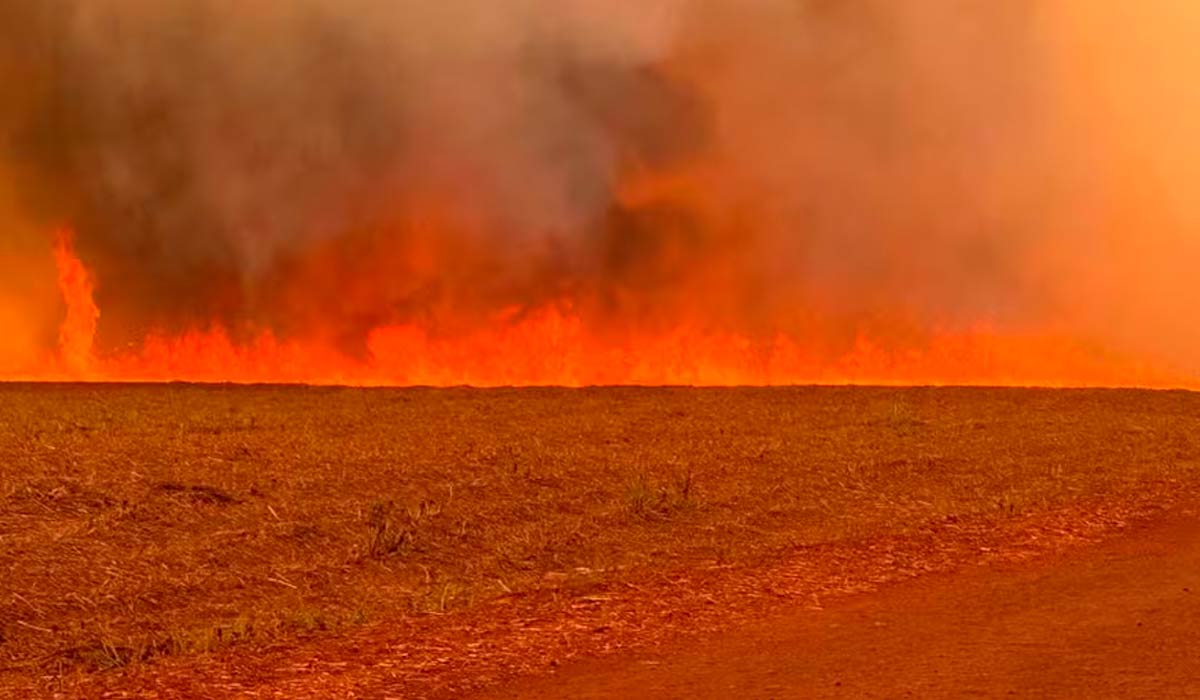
column 822, row 168
column 1128, row 147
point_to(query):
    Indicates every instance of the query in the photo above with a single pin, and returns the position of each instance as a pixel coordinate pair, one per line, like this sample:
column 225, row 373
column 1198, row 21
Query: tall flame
column 77, row 333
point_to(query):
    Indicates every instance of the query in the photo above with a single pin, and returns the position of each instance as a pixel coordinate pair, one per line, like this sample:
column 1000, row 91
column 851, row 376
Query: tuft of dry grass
column 146, row 521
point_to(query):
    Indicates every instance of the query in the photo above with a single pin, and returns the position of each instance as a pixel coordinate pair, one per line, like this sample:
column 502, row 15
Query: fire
column 554, row 345
column 77, row 333
column 719, row 193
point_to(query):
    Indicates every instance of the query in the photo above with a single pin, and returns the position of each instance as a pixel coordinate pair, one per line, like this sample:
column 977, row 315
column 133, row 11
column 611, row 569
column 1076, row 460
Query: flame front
column 552, row 345
column 579, row 192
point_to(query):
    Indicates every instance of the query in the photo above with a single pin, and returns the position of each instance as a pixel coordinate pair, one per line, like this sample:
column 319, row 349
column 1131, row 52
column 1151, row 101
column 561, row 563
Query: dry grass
column 138, row 522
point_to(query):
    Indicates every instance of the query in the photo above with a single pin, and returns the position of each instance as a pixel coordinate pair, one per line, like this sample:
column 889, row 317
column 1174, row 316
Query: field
column 160, row 539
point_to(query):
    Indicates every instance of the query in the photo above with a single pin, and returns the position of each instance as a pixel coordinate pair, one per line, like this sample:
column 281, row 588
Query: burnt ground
column 180, row 541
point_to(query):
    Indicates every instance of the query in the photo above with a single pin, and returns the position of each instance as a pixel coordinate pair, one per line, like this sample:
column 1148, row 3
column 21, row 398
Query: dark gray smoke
column 319, row 167
column 198, row 146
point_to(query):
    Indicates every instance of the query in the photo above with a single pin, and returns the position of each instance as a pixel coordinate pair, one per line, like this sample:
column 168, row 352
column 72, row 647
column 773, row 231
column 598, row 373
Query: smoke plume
column 828, row 171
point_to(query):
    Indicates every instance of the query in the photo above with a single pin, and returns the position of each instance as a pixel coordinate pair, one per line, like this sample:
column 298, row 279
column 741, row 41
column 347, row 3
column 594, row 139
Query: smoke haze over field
column 828, row 170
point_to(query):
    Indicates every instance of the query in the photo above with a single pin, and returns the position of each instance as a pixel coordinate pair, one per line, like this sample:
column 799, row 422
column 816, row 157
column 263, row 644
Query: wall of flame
column 580, row 192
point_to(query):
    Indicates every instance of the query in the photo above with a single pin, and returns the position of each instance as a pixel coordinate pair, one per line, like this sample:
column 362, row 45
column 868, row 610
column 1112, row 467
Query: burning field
column 352, row 346
column 572, row 193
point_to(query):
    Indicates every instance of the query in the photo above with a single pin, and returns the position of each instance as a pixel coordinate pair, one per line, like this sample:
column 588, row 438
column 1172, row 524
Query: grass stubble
column 151, row 525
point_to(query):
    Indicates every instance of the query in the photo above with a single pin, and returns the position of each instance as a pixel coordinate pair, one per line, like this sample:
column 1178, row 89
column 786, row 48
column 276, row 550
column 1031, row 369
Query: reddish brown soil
column 531, row 636
column 1118, row 620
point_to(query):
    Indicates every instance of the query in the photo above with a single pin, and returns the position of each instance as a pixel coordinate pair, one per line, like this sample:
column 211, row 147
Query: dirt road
column 1121, row 619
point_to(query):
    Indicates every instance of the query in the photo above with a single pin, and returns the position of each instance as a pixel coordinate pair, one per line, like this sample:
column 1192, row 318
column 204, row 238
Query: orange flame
column 713, row 196
column 553, row 345
column 77, row 333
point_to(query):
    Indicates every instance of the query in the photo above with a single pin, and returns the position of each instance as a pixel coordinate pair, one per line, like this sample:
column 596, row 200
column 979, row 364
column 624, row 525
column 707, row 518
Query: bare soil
column 182, row 541
column 1117, row 620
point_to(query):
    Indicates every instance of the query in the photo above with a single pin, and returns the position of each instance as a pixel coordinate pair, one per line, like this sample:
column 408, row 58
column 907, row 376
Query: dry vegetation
column 141, row 522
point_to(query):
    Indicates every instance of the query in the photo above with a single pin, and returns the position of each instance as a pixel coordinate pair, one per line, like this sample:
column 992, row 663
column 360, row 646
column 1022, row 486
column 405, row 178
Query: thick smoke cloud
column 817, row 167
column 198, row 145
